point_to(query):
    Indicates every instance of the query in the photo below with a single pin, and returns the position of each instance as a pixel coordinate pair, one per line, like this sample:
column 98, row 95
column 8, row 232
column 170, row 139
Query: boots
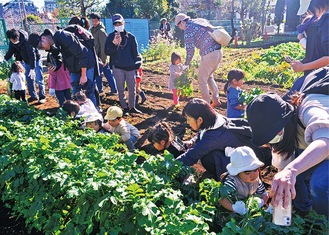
column 142, row 94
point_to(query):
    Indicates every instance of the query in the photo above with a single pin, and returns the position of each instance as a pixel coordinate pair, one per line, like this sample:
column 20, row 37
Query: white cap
column 303, row 6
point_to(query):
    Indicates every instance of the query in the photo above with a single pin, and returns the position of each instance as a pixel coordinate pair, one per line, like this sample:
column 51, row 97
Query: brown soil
column 158, row 107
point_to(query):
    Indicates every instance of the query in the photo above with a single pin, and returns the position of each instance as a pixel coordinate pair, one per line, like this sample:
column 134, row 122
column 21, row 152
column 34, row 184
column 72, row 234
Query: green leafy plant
column 184, row 81
column 246, row 97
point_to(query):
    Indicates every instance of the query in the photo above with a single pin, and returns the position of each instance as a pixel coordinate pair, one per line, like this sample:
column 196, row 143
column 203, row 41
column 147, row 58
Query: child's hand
column 240, row 208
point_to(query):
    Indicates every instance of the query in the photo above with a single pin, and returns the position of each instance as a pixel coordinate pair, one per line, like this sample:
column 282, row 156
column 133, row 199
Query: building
column 15, row 7
column 50, row 5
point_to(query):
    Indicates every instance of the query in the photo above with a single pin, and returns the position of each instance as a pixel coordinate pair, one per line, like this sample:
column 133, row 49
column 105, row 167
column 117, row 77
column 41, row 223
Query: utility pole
column 25, row 18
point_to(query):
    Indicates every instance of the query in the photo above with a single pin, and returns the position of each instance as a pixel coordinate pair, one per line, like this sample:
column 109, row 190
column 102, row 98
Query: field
column 158, row 107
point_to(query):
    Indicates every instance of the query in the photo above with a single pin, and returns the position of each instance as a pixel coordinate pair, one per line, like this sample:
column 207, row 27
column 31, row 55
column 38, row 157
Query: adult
column 77, row 58
column 304, row 124
column 197, row 36
column 122, row 48
column 30, row 58
column 316, row 31
column 214, row 135
column 164, row 28
column 99, row 33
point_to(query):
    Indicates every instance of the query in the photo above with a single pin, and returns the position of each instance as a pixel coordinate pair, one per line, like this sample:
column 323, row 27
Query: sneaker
column 42, row 101
column 125, row 112
column 134, row 110
column 31, row 99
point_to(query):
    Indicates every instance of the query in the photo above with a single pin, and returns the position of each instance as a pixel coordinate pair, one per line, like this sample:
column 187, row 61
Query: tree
column 151, row 8
column 69, row 8
column 279, row 13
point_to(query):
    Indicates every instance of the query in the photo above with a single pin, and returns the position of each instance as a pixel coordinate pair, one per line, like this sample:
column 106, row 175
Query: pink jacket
column 60, row 79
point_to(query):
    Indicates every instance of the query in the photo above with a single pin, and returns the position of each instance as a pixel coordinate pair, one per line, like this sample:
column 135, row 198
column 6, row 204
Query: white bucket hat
column 303, row 6
column 243, row 159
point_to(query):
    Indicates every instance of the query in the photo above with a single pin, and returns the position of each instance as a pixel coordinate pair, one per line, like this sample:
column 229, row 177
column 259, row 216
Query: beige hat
column 243, row 159
column 303, row 6
column 113, row 112
column 93, row 118
column 180, row 17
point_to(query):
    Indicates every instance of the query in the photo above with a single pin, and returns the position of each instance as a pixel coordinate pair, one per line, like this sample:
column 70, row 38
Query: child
column 162, row 138
column 17, row 78
column 139, row 74
column 87, row 107
column 233, row 91
column 96, row 123
column 59, row 81
column 116, row 124
column 176, row 69
column 242, row 179
column 71, row 107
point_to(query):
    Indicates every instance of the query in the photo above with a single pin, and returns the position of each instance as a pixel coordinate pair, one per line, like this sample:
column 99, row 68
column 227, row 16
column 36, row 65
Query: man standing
column 100, row 35
column 30, row 57
column 77, row 58
column 211, row 54
column 122, row 48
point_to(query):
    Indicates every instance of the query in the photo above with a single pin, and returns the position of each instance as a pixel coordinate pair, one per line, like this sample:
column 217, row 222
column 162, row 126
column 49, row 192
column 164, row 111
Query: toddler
column 233, row 91
column 176, row 69
column 242, row 180
column 17, row 78
column 87, row 107
column 59, row 80
column 116, row 124
column 96, row 123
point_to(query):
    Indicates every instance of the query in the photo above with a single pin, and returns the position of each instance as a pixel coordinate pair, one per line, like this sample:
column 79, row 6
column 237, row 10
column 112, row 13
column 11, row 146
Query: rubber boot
column 137, row 98
column 142, row 94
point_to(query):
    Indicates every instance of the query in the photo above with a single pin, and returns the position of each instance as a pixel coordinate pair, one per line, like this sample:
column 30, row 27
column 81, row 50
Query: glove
column 32, row 73
column 228, row 151
column 51, row 91
column 240, row 208
column 259, row 201
column 189, row 180
column 186, row 67
column 269, row 209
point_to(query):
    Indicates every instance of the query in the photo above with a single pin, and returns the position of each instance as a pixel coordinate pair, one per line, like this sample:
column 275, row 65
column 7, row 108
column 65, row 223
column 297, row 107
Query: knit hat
column 267, row 115
column 243, row 159
column 180, row 17
column 303, row 6
column 113, row 112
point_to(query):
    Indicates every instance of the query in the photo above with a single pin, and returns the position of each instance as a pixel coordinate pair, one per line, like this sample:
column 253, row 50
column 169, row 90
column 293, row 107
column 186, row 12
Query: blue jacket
column 125, row 55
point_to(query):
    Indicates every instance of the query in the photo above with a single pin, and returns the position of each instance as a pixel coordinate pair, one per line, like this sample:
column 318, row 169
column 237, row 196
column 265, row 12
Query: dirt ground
column 158, row 107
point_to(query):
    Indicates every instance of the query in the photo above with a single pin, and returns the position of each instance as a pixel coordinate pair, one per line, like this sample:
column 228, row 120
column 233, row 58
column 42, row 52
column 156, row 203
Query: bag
column 317, row 82
column 219, row 34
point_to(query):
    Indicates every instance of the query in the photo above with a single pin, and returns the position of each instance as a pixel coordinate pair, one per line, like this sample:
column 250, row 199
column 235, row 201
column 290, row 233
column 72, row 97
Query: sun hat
column 303, row 6
column 93, row 118
column 243, row 159
column 267, row 115
column 113, row 112
column 117, row 18
column 180, row 17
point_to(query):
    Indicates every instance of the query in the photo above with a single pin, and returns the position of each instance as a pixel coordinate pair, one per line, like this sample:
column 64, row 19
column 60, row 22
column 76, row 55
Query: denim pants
column 88, row 87
column 38, row 79
column 318, row 187
column 109, row 77
column 130, row 143
column 63, row 95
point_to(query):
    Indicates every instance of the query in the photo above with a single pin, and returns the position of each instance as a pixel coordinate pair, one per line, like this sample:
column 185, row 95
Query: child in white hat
column 243, row 179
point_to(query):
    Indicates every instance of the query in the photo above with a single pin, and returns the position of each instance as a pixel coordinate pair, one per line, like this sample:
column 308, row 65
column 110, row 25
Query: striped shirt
column 196, row 36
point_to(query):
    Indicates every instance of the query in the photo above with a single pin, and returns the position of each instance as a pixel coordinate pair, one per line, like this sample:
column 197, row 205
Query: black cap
column 34, row 40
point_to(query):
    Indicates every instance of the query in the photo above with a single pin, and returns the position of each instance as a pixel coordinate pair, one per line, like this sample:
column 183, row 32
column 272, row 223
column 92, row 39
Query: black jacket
column 23, row 51
column 75, row 55
column 125, row 55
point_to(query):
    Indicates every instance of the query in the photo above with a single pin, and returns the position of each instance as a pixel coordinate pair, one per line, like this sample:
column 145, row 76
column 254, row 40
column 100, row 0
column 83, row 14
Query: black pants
column 20, row 95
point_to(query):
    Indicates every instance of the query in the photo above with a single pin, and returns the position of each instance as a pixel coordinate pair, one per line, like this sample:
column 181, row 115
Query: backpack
column 318, row 82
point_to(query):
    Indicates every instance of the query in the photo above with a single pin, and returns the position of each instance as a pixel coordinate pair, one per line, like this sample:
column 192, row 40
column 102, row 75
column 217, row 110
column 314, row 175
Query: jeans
column 88, row 87
column 318, row 187
column 38, row 79
column 109, row 77
column 130, row 143
column 295, row 87
column 63, row 95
